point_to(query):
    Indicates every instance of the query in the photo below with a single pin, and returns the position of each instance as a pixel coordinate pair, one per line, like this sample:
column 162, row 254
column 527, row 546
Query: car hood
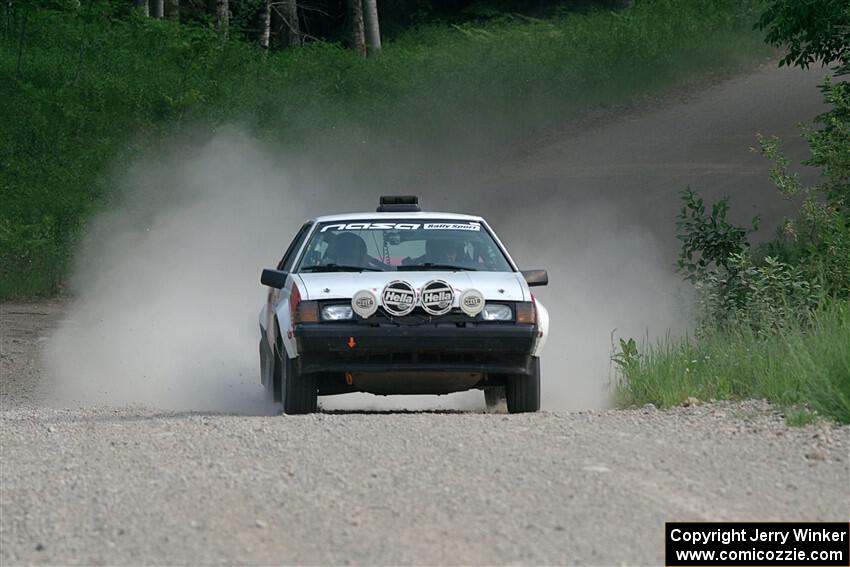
column 506, row 286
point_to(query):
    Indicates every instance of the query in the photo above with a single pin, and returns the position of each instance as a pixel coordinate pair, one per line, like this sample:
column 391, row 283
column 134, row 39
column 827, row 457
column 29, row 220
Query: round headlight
column 337, row 312
column 364, row 303
column 496, row 312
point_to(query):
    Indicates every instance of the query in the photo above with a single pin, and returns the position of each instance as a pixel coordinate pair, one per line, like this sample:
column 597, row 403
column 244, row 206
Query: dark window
column 285, row 263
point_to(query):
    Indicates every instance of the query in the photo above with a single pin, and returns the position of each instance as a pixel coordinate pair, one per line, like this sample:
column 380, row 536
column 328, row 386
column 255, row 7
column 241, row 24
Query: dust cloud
column 166, row 291
column 609, row 278
column 166, row 285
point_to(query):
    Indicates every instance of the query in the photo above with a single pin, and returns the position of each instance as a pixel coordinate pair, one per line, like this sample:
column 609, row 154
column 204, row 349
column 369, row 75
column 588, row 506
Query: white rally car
column 400, row 302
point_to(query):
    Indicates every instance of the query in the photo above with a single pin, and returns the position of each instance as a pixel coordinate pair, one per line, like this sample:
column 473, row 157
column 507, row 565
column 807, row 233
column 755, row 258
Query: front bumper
column 503, row 348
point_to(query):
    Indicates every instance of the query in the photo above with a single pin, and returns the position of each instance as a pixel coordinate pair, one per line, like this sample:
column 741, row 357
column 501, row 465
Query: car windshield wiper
column 433, row 266
column 339, row 268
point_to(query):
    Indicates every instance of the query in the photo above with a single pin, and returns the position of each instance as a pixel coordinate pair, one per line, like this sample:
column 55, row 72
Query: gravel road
column 101, row 485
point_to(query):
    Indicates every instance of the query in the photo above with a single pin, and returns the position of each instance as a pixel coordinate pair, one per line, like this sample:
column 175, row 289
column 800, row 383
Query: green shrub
column 762, row 298
column 709, row 240
column 818, row 239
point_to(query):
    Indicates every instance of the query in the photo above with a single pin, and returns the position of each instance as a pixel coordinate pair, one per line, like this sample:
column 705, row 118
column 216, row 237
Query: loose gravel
column 134, row 485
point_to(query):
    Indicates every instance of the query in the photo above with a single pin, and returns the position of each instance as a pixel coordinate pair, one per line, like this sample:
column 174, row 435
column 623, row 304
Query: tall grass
column 806, row 365
column 85, row 91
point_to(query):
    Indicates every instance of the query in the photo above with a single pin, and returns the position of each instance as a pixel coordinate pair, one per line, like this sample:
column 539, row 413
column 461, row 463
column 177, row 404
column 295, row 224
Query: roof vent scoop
column 399, row 204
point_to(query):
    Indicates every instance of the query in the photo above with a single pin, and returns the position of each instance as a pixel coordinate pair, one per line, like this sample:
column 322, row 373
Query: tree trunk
column 142, row 5
column 157, row 8
column 373, row 30
column 222, row 16
column 172, row 10
column 358, row 33
column 265, row 23
column 292, row 23
column 276, row 23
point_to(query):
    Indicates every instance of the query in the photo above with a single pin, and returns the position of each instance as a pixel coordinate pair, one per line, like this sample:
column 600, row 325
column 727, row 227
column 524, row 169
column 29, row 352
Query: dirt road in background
column 633, row 160
column 138, row 485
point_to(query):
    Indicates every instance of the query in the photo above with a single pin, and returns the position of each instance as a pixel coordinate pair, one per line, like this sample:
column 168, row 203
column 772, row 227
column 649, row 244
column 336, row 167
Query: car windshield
column 402, row 245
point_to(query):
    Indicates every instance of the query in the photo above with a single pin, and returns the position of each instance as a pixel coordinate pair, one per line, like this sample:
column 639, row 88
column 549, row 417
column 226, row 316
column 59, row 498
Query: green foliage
column 818, row 239
column 830, row 146
column 799, row 417
column 709, row 240
column 627, row 358
column 811, row 30
column 763, row 297
column 801, row 366
column 99, row 84
column 32, row 261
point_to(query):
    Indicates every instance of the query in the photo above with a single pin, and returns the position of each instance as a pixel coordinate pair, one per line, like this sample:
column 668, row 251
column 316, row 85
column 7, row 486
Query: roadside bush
column 709, row 240
column 763, row 297
column 818, row 239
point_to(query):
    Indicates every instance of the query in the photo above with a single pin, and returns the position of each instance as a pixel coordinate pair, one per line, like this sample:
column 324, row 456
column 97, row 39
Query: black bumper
column 486, row 347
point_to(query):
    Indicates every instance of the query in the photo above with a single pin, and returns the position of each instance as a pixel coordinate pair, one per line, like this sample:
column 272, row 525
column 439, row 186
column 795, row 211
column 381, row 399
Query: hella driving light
column 471, row 302
column 337, row 312
column 364, row 303
column 496, row 312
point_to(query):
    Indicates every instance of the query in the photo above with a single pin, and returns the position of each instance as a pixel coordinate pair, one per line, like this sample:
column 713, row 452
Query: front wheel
column 300, row 393
column 523, row 390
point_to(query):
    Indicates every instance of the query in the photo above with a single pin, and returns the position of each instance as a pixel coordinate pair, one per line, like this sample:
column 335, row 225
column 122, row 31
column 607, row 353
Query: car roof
column 394, row 216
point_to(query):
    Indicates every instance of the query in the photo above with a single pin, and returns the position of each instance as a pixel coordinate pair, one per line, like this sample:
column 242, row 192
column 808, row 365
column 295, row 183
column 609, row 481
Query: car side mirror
column 274, row 278
column 535, row 277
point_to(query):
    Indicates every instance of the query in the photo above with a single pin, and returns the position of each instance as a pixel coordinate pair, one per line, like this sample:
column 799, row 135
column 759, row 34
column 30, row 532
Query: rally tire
column 522, row 391
column 300, row 393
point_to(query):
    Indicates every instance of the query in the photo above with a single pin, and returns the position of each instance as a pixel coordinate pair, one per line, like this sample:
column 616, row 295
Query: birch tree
column 265, row 23
column 292, row 23
column 157, row 8
column 222, row 16
column 373, row 30
column 358, row 33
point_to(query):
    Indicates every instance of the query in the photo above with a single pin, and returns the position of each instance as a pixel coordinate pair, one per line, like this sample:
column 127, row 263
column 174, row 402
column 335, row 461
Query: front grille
column 418, row 317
